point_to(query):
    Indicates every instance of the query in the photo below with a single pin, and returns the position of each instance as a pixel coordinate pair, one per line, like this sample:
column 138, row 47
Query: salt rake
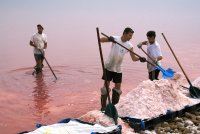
column 110, row 110
column 48, row 65
column 194, row 91
column 166, row 73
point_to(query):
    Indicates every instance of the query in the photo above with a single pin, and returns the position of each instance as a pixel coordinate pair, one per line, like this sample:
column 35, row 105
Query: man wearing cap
column 39, row 42
column 113, row 64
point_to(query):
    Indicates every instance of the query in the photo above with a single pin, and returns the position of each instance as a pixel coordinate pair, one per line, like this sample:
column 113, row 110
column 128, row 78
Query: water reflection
column 41, row 97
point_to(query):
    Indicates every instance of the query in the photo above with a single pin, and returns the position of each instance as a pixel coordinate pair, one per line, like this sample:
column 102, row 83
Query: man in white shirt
column 113, row 64
column 154, row 51
column 39, row 42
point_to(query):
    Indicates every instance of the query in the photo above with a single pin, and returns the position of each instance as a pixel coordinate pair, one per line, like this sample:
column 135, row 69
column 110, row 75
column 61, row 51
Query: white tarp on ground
column 72, row 127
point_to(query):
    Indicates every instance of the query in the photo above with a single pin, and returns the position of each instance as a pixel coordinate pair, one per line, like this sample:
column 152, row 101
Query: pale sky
column 70, row 24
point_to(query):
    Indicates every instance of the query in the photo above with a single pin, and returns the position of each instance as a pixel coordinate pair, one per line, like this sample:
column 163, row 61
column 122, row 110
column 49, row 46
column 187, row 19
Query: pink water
column 27, row 100
column 73, row 54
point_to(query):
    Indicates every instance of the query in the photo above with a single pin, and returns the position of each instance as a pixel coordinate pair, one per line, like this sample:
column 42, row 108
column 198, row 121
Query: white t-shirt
column 116, row 55
column 39, row 40
column 154, row 51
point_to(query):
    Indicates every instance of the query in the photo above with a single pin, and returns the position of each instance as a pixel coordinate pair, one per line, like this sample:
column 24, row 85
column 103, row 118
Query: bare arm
column 133, row 56
column 159, row 54
column 45, row 45
column 104, row 39
column 45, row 42
column 142, row 43
column 159, row 58
column 32, row 44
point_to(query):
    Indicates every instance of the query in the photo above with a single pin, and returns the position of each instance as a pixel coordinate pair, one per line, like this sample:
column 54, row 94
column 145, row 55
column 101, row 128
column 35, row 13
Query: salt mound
column 152, row 98
column 97, row 117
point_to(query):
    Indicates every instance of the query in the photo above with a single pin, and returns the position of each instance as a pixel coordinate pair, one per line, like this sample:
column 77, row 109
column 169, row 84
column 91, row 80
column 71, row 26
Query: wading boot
column 116, row 95
column 104, row 97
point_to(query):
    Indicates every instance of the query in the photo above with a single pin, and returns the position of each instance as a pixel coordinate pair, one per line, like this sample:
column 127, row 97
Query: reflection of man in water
column 41, row 97
column 39, row 42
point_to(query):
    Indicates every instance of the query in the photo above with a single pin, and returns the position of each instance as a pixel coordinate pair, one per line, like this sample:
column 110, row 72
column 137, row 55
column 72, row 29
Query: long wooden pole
column 128, row 50
column 49, row 65
column 177, row 59
column 102, row 63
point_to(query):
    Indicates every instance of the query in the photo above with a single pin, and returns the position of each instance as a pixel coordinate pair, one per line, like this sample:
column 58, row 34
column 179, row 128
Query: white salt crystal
column 152, row 98
column 97, row 117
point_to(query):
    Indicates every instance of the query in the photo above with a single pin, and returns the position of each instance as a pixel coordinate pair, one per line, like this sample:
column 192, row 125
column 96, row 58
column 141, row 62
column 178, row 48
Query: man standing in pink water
column 113, row 64
column 39, row 42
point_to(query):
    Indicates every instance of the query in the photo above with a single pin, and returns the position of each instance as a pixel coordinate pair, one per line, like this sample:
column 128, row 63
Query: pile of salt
column 152, row 98
column 97, row 117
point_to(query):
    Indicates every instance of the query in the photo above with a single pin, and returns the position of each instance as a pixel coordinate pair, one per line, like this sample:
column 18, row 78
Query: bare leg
column 42, row 62
column 108, row 82
column 118, row 86
column 38, row 66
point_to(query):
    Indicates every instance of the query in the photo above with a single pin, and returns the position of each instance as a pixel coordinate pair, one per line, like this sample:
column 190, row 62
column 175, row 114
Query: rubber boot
column 104, row 97
column 38, row 68
column 116, row 95
column 103, row 102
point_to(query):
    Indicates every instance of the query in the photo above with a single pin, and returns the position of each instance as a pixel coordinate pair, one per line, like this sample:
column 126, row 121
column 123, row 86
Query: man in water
column 113, row 64
column 39, row 42
column 154, row 51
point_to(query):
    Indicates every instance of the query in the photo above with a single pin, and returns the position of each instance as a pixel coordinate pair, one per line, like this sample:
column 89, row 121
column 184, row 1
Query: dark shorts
column 39, row 57
column 153, row 75
column 113, row 76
